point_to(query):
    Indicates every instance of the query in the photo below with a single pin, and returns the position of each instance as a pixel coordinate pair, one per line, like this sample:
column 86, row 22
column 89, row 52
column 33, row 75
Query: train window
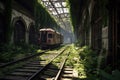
column 50, row 36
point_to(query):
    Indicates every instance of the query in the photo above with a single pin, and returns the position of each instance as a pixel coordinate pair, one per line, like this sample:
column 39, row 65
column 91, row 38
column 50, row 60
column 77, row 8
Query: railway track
column 37, row 69
column 53, row 70
column 3, row 65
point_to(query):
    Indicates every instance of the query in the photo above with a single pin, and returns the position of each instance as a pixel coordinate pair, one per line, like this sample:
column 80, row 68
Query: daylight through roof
column 58, row 9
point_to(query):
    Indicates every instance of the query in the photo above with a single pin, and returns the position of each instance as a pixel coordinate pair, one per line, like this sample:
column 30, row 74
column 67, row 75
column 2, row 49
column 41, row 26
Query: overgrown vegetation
column 90, row 65
column 12, row 52
column 83, row 62
column 43, row 18
column 7, row 14
column 7, row 70
column 74, row 9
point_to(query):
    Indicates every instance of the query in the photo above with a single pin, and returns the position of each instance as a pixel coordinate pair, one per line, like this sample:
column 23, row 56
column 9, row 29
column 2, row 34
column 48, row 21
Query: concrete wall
column 16, row 15
column 105, row 38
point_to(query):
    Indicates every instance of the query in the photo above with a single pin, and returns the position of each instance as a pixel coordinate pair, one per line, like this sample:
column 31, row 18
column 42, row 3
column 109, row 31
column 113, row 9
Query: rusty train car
column 49, row 38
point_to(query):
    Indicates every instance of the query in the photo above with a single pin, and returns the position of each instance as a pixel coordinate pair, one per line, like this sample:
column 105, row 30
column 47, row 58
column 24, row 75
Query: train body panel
column 49, row 37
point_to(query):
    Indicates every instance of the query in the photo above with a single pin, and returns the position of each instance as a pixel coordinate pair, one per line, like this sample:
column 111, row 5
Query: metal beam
column 55, row 1
column 57, row 13
column 49, row 6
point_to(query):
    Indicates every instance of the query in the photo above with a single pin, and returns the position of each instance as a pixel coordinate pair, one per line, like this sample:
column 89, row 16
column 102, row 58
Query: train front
column 46, row 38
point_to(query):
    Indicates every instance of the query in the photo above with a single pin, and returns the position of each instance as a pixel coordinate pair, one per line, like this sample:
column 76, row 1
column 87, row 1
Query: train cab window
column 50, row 36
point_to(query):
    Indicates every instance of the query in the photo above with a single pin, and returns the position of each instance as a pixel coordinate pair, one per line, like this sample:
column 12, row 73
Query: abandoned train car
column 49, row 38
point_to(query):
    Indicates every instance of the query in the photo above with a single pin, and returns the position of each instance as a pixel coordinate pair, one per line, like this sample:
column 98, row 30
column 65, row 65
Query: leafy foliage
column 43, row 18
column 114, row 76
column 75, row 9
column 85, row 61
column 90, row 65
column 8, row 14
column 12, row 52
column 89, row 59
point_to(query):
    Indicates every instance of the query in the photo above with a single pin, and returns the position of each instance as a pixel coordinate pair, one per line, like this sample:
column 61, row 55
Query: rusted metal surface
column 20, row 60
column 32, row 69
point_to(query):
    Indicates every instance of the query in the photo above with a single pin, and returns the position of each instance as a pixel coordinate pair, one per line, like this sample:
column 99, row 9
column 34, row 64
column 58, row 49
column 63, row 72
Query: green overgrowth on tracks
column 84, row 60
column 12, row 52
column 61, row 57
column 9, row 69
column 90, row 65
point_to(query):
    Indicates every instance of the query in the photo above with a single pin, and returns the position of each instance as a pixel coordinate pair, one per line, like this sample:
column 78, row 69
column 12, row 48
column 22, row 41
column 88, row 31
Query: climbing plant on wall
column 103, row 11
column 74, row 9
column 8, row 10
column 43, row 18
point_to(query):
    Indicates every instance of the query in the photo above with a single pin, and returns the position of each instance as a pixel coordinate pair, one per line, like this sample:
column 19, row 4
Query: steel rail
column 57, row 13
column 61, row 68
column 36, row 75
column 19, row 60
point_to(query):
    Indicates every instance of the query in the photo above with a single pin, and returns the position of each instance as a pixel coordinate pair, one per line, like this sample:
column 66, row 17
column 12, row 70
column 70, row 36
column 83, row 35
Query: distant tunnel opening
column 19, row 32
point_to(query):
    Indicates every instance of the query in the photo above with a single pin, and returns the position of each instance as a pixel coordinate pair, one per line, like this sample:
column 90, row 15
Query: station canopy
column 58, row 9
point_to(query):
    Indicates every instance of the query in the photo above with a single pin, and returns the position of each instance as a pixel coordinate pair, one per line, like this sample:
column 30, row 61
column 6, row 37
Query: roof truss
column 57, row 8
